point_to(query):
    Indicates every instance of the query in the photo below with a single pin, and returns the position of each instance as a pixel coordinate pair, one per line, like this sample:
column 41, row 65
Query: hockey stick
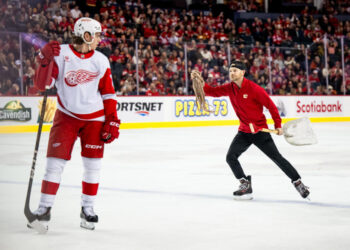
column 32, row 219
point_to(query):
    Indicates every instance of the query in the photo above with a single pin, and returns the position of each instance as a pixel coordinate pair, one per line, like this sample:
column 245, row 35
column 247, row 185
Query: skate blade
column 40, row 227
column 87, row 225
column 245, row 197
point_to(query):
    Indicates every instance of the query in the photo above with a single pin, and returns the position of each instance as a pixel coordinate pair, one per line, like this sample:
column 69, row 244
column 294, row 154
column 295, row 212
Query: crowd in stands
column 146, row 44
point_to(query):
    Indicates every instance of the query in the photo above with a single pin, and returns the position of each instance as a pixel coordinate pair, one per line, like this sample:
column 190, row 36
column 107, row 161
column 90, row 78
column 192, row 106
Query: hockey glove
column 110, row 129
column 47, row 53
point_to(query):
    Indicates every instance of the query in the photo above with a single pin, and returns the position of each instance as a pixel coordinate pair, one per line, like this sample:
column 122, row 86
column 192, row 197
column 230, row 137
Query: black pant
column 264, row 142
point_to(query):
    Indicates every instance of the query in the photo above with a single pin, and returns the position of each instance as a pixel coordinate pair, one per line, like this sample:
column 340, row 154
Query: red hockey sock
column 48, row 187
column 90, row 188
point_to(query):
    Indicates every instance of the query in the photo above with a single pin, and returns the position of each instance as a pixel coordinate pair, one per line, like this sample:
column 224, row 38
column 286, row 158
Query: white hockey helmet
column 86, row 24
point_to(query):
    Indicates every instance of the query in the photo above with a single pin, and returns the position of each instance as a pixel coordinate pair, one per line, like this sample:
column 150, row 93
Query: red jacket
column 248, row 102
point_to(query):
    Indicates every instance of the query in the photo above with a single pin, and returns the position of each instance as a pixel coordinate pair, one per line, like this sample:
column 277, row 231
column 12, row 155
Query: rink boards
column 21, row 114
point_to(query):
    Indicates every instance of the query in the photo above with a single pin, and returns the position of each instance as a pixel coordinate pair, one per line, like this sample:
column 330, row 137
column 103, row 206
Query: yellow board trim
column 141, row 125
column 23, row 128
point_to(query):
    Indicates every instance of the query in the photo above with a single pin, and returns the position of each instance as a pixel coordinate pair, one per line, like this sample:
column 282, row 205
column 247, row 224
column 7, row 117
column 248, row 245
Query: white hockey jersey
column 83, row 82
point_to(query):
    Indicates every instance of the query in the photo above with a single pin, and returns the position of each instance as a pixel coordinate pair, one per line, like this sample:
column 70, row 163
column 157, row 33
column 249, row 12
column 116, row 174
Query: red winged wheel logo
column 73, row 78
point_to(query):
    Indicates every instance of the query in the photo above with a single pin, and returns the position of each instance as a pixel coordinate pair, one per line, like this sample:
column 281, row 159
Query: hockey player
column 248, row 100
column 86, row 109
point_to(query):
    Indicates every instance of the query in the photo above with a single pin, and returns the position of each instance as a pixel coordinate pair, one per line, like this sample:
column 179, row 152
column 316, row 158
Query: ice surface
column 172, row 189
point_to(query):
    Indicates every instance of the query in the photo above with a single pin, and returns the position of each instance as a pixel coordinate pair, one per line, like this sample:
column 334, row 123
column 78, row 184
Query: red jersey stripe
column 81, row 55
column 90, row 116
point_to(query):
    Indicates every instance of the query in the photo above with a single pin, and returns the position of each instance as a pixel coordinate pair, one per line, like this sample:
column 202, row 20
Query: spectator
column 161, row 34
column 330, row 90
column 245, row 34
column 318, row 91
column 152, row 90
column 347, row 89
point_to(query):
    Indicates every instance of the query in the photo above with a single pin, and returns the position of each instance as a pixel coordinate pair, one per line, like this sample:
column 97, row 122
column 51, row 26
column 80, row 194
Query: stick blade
column 38, row 226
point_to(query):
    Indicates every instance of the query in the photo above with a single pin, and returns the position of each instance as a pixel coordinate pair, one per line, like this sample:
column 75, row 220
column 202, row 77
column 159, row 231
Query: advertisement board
column 21, row 114
column 312, row 106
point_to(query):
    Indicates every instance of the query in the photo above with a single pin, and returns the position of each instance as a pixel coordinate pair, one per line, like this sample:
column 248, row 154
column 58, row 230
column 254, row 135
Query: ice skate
column 245, row 189
column 302, row 189
column 88, row 218
column 43, row 215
